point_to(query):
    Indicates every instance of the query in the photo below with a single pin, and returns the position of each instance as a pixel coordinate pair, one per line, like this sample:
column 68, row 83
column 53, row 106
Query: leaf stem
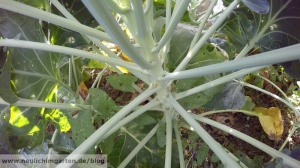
column 179, row 143
column 263, row 59
column 117, row 8
column 135, row 151
column 214, row 145
column 215, row 82
column 41, row 104
column 168, row 154
column 69, row 51
column 104, row 17
column 203, row 22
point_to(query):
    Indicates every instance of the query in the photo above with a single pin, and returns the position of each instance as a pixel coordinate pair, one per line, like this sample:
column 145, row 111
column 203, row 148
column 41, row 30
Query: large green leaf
column 35, row 76
column 269, row 33
column 284, row 31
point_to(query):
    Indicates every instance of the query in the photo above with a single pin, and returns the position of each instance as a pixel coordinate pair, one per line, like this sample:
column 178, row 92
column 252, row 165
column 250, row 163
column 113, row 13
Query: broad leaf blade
column 35, row 76
column 82, row 126
column 258, row 6
column 230, row 97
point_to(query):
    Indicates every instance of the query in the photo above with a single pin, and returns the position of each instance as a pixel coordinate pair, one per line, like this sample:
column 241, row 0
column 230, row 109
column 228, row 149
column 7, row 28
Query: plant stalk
column 69, row 51
column 99, row 10
column 263, row 59
column 214, row 145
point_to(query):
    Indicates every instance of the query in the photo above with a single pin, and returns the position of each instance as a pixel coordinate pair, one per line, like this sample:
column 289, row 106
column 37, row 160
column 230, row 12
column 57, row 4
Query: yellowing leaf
column 271, row 121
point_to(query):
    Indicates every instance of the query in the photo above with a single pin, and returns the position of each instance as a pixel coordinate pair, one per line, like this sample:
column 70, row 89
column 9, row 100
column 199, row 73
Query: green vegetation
column 169, row 56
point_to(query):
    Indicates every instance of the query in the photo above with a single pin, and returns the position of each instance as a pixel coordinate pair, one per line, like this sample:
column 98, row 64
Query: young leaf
column 122, row 82
column 258, row 6
column 82, row 126
column 102, row 103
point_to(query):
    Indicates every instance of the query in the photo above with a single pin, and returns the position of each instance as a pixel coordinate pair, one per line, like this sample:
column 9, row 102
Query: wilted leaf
column 271, row 121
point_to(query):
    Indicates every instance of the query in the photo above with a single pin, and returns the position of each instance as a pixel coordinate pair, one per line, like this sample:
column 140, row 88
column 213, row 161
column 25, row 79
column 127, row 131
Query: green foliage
column 122, row 82
column 53, row 79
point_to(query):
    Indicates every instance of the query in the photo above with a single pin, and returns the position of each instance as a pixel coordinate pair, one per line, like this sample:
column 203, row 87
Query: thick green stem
column 214, row 145
column 104, row 17
column 69, row 51
column 52, row 18
column 116, row 8
column 41, row 104
column 269, row 150
column 263, row 59
column 135, row 151
column 90, row 141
